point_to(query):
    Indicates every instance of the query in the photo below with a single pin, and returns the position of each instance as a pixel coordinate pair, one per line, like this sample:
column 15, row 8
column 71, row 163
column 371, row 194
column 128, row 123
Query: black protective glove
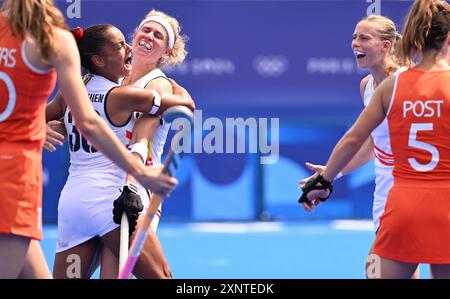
column 316, row 183
column 128, row 202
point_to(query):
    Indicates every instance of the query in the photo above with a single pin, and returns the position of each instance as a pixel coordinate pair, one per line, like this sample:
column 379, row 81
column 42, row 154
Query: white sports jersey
column 83, row 157
column 157, row 145
column 384, row 160
column 94, row 182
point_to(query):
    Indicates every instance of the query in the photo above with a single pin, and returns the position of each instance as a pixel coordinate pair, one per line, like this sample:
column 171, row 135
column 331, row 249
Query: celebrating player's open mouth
column 359, row 55
column 128, row 60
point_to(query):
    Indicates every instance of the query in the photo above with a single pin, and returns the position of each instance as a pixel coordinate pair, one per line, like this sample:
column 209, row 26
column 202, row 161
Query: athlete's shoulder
column 63, row 37
column 160, row 84
column 389, row 81
column 66, row 50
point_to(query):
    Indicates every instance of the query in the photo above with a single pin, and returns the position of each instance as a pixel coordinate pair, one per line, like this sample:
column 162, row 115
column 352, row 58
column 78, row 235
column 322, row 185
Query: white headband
column 165, row 24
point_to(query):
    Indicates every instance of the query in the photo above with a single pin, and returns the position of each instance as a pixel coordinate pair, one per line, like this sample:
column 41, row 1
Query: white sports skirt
column 85, row 209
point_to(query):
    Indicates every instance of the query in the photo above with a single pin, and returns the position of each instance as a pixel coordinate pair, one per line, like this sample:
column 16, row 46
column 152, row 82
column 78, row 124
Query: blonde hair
column 178, row 53
column 387, row 30
column 426, row 27
column 35, row 19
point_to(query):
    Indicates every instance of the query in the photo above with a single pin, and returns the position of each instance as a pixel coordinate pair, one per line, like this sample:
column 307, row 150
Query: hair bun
column 78, row 33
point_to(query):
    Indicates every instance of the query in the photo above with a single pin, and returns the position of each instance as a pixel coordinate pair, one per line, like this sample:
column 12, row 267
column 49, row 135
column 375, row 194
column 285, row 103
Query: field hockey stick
column 170, row 165
column 155, row 220
column 124, row 240
column 174, row 159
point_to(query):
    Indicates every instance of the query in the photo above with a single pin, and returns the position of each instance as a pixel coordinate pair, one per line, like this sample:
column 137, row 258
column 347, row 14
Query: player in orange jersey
column 31, row 55
column 415, row 227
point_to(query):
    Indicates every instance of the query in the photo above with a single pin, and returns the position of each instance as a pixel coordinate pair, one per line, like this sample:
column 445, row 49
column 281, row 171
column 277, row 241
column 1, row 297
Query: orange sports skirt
column 415, row 226
column 21, row 192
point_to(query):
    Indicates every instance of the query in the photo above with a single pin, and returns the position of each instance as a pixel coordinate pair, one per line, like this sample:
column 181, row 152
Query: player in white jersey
column 152, row 80
column 373, row 44
column 157, row 35
column 85, row 224
column 384, row 160
column 157, row 42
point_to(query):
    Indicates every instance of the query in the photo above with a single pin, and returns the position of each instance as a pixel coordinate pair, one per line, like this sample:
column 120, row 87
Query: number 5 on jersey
column 413, row 142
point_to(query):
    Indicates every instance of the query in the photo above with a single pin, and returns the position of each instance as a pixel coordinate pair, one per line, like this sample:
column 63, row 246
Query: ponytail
column 426, row 28
column 36, row 19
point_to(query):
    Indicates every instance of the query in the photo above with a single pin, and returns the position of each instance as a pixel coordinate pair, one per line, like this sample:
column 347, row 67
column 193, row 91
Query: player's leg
column 371, row 271
column 35, row 266
column 109, row 264
column 440, row 271
column 391, row 269
column 13, row 251
column 152, row 254
column 369, row 265
column 151, row 262
column 77, row 262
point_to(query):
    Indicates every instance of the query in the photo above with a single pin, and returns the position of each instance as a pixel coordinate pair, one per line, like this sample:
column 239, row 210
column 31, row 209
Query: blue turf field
column 334, row 249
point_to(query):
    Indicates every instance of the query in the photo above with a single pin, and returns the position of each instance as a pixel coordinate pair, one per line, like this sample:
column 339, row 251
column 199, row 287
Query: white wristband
column 339, row 175
column 140, row 149
column 156, row 103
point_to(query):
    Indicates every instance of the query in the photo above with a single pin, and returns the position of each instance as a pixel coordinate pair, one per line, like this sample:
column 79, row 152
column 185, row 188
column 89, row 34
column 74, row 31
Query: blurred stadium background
column 290, row 60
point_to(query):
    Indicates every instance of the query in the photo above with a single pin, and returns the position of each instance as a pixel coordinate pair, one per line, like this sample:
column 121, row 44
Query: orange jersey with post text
column 419, row 127
column 415, row 225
